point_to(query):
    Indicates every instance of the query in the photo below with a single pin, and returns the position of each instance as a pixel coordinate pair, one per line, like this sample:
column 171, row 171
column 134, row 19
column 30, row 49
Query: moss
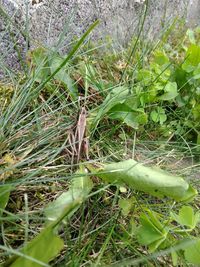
column 6, row 93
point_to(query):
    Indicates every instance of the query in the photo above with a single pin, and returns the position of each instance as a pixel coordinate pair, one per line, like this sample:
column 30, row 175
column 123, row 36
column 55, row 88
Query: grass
column 38, row 110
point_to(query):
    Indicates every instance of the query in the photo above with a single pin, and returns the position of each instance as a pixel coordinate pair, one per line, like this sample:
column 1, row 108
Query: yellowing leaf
column 8, row 169
column 8, row 159
column 126, row 205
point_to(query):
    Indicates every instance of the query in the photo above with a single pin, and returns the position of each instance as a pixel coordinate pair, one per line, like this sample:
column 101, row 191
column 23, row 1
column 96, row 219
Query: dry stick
column 72, row 142
column 80, row 131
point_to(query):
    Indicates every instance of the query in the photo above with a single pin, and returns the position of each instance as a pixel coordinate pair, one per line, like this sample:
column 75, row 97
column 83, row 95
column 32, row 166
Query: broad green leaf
column 162, row 74
column 180, row 101
column 4, row 196
column 149, row 94
column 192, row 253
column 40, row 66
column 186, row 217
column 193, row 54
column 188, row 68
column 180, row 77
column 79, row 189
column 145, row 77
column 132, row 117
column 133, row 101
column 170, row 91
column 158, row 115
column 196, row 73
column 189, row 196
column 174, row 256
column 155, row 218
column 156, row 244
column 117, row 96
column 129, row 119
column 154, row 116
column 141, row 117
column 147, row 233
column 192, row 58
column 149, row 180
column 152, row 232
column 44, row 247
column 63, row 76
column 63, row 207
column 161, row 58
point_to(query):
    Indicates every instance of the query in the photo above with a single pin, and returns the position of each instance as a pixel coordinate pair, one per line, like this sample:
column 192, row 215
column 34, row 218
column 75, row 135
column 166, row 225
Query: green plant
column 163, row 90
column 157, row 233
column 32, row 254
column 149, row 180
column 142, row 103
